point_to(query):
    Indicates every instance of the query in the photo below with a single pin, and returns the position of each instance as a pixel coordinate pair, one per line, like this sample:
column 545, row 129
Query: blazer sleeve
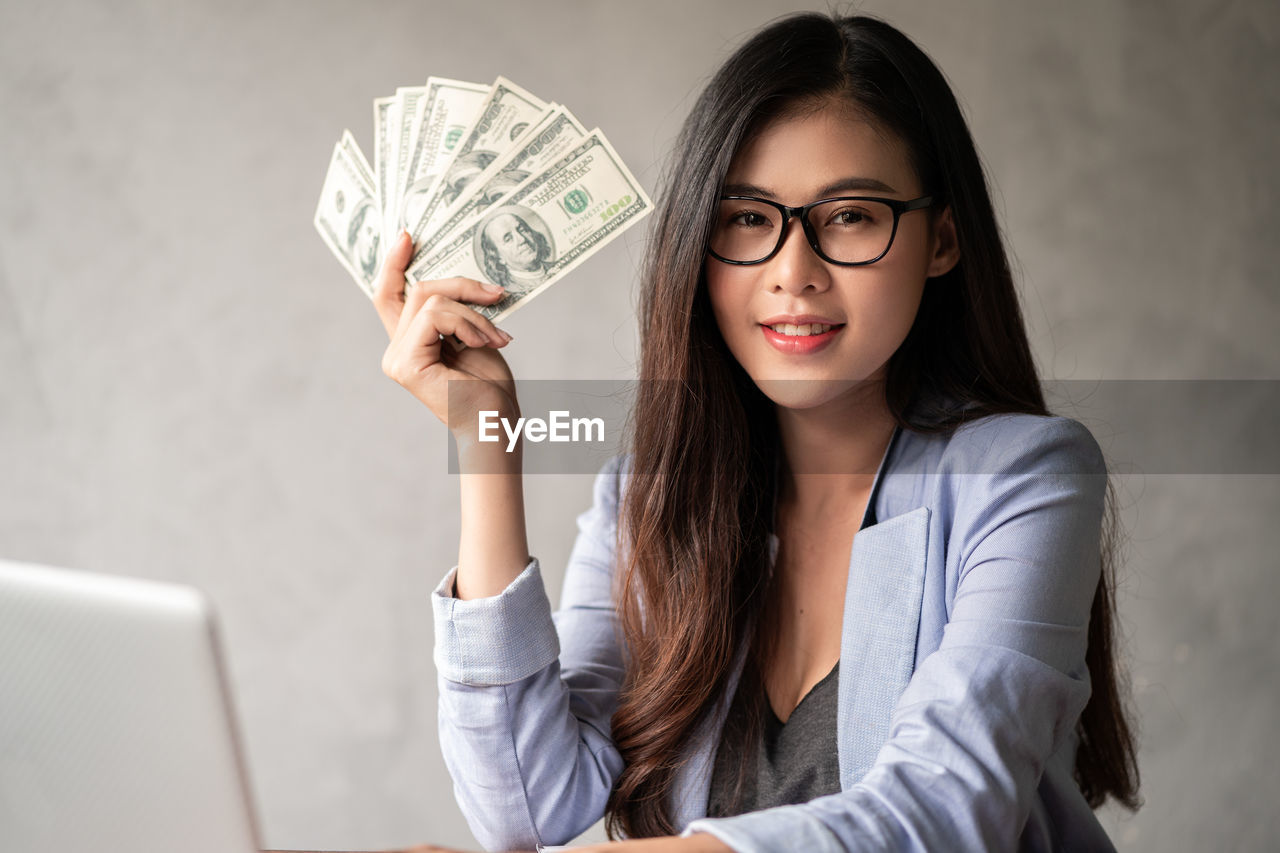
column 971, row 733
column 526, row 696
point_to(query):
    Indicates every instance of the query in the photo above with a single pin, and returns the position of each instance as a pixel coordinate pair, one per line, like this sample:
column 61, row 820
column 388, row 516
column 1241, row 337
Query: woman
column 844, row 505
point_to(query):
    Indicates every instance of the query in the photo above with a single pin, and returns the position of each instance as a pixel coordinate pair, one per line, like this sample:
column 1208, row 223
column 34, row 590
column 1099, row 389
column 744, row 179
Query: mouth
column 802, row 339
column 805, row 330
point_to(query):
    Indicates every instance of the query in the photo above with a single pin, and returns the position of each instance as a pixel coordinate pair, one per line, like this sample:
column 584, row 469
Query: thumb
column 401, row 252
column 388, row 290
column 393, row 265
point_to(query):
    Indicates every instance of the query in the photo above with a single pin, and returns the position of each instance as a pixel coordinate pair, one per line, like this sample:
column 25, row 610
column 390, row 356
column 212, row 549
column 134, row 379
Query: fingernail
column 505, row 334
column 492, row 288
column 405, row 236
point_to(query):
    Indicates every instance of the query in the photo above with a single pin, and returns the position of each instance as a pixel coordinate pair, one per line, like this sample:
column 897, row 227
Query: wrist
column 483, row 441
column 470, row 399
column 476, row 456
column 705, row 842
column 698, row 842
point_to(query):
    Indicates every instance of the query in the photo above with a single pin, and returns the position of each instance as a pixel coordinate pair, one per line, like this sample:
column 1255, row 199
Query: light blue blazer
column 962, row 670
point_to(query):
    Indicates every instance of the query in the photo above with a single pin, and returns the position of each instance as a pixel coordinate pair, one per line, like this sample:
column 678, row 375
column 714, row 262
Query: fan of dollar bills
column 491, row 182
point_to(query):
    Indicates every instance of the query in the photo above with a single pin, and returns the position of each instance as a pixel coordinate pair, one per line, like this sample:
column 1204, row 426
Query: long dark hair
column 694, row 526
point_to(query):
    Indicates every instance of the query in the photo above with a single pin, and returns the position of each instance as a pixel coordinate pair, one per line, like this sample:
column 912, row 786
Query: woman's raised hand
column 418, row 357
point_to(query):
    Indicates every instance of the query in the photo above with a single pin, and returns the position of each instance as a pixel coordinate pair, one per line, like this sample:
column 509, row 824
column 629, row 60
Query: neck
column 832, row 451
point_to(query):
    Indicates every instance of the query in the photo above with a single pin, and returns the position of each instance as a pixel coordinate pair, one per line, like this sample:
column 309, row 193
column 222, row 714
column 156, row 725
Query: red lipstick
column 800, row 344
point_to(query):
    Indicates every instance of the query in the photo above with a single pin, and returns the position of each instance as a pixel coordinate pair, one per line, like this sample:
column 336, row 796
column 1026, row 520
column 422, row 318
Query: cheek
column 728, row 291
column 881, row 304
column 895, row 296
column 909, row 258
column 905, row 306
column 887, row 308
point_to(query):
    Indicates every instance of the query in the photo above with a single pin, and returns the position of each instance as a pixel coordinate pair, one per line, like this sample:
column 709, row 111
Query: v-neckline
column 869, row 519
column 778, row 722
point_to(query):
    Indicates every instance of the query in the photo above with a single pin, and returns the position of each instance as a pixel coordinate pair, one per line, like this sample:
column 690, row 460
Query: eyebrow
column 843, row 185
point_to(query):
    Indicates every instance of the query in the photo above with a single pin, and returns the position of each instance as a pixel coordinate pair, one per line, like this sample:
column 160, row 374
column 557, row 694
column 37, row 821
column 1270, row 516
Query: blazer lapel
column 878, row 641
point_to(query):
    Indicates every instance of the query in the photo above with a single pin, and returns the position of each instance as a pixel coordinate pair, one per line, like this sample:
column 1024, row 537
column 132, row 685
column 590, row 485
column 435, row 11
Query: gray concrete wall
column 190, row 385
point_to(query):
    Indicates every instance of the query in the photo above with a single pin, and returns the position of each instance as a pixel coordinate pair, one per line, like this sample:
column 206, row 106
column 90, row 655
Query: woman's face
column 793, row 161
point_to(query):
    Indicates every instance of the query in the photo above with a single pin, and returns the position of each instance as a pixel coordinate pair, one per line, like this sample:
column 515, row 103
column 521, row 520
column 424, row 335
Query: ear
column 946, row 248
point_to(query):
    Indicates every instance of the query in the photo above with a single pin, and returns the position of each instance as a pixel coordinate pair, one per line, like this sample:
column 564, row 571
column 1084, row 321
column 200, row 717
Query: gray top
column 795, row 761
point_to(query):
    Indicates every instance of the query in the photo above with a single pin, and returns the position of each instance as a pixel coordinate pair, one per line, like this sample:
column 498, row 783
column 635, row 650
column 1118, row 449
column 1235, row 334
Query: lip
column 800, row 345
column 800, row 320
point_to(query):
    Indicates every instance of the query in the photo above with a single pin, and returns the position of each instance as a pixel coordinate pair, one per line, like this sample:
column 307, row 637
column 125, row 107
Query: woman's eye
column 849, row 217
column 748, row 219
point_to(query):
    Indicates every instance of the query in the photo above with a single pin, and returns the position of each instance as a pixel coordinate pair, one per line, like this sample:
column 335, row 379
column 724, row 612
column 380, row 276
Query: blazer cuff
column 497, row 640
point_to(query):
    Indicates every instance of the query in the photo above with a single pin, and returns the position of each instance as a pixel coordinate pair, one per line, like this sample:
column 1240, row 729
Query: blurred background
column 190, row 386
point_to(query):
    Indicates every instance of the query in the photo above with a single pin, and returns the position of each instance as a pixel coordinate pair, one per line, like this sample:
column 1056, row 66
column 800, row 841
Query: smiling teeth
column 801, row 331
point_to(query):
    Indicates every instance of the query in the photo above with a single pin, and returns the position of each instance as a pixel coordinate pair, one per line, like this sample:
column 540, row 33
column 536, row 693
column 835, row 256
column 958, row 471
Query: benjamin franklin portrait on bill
column 515, row 249
column 362, row 239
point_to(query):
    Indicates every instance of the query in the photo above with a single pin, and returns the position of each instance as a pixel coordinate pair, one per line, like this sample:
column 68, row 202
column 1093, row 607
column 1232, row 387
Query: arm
column 529, row 755
column 526, row 697
column 456, row 388
column 982, row 714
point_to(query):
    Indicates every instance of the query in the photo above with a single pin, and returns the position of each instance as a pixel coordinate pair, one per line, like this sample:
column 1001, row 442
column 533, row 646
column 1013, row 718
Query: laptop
column 116, row 728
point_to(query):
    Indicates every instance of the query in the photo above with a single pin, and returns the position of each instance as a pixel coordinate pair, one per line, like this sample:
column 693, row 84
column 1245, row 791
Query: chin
column 820, row 387
column 800, row 394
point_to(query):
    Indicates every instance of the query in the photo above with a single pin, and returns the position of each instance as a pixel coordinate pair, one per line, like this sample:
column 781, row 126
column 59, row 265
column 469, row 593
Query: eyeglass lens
column 848, row 231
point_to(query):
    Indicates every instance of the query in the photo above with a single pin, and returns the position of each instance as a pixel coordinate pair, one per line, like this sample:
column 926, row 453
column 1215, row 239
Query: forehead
column 503, row 221
column 794, row 156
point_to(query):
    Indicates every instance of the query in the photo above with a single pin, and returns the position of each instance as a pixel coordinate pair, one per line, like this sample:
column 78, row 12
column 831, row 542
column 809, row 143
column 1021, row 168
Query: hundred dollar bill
column 507, row 112
column 544, row 228
column 347, row 214
column 537, row 149
column 401, row 127
column 408, row 99
column 444, row 113
column 382, row 153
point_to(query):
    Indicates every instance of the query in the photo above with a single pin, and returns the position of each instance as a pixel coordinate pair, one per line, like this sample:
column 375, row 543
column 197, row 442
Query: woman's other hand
column 699, row 842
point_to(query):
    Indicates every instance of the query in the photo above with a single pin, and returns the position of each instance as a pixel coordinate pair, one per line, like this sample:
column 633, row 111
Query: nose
column 797, row 267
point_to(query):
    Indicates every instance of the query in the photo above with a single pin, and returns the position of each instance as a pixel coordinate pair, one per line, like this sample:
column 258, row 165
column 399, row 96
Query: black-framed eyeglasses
column 848, row 231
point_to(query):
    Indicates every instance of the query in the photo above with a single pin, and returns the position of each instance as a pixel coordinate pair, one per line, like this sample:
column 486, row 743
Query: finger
column 414, row 298
column 388, row 293
column 414, row 356
column 439, row 316
column 458, row 290
column 462, row 289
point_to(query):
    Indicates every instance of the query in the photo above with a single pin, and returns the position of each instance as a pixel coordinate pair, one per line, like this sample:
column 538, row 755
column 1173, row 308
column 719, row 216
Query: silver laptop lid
column 116, row 730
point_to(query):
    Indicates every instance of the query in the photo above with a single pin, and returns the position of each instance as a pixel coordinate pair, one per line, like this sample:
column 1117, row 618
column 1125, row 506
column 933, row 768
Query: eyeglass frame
column 898, row 207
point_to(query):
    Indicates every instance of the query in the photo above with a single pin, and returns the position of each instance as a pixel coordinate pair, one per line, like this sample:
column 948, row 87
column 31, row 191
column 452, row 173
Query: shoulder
column 1033, row 478
column 1022, row 444
column 611, row 477
column 994, row 468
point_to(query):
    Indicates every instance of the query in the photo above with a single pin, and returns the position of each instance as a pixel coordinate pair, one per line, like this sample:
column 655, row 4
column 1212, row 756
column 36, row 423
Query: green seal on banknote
column 576, row 201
